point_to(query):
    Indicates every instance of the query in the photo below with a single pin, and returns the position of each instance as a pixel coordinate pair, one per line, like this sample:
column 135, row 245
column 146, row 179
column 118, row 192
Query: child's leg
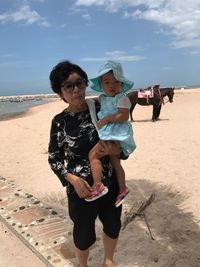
column 115, row 161
column 99, row 189
column 96, row 166
column 123, row 189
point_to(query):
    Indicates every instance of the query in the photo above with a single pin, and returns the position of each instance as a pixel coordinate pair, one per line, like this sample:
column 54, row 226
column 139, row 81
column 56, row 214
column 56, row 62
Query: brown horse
column 157, row 100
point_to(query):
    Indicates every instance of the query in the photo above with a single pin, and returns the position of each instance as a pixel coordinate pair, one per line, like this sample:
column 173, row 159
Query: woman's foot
column 109, row 264
column 97, row 193
column 121, row 197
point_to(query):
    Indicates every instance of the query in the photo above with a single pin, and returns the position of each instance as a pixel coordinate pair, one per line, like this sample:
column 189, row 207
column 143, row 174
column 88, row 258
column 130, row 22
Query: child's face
column 110, row 85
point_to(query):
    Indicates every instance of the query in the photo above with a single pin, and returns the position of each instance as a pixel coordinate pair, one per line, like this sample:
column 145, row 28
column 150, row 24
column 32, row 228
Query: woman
column 72, row 137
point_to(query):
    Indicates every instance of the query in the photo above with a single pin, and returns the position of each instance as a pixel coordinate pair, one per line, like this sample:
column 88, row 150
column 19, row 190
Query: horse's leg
column 131, row 110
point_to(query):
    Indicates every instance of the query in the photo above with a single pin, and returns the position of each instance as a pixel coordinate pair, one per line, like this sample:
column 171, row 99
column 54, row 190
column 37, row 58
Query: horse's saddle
column 145, row 93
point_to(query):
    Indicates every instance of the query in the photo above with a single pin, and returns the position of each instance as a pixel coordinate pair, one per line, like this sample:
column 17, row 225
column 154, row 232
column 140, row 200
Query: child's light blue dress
column 121, row 131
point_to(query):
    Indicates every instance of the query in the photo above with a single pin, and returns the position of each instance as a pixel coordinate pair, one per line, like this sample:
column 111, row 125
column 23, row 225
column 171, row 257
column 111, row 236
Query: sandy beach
column 166, row 163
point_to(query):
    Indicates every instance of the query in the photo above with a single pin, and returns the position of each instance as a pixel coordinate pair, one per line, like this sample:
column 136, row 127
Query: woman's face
column 73, row 89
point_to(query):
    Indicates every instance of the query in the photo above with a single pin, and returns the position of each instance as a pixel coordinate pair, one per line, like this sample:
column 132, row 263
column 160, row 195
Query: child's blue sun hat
column 95, row 83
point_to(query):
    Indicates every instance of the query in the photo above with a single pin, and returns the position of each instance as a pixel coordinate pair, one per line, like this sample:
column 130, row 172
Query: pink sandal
column 95, row 194
column 121, row 197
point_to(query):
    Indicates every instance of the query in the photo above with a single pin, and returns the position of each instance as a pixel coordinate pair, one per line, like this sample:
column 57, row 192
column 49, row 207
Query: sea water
column 9, row 108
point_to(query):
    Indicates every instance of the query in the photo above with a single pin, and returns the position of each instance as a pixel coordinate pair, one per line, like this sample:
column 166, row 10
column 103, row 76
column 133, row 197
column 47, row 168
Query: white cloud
column 62, row 26
column 115, row 5
column 115, row 55
column 186, row 43
column 24, row 14
column 90, row 2
column 110, row 5
column 86, row 16
column 179, row 17
column 41, row 1
column 194, row 52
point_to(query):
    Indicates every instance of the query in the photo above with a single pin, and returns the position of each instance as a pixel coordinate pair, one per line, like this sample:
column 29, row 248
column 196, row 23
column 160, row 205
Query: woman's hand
column 81, row 187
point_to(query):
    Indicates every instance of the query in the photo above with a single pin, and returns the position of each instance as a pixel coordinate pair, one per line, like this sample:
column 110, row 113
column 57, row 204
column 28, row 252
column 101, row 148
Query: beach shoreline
column 14, row 114
column 51, row 97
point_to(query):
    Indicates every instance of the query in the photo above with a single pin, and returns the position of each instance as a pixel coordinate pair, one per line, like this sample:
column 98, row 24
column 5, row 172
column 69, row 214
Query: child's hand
column 101, row 123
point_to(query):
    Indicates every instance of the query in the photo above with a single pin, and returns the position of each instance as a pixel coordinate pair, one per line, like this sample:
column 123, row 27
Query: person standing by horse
column 156, row 100
column 157, row 108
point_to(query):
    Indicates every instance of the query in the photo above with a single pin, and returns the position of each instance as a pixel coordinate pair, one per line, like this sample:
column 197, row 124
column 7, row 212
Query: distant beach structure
column 21, row 98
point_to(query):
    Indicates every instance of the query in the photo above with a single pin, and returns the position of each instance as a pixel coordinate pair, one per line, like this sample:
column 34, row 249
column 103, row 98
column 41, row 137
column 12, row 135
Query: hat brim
column 95, row 83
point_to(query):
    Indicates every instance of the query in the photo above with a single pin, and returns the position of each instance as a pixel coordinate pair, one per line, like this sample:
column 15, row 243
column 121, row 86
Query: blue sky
column 156, row 41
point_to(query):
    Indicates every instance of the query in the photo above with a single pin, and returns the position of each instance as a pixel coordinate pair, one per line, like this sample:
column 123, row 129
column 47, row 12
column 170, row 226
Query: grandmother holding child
column 88, row 167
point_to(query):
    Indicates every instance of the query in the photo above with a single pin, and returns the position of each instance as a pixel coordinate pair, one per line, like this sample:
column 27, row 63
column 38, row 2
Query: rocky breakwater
column 21, row 98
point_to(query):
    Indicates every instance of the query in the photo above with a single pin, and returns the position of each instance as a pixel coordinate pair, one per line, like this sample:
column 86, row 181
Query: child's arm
column 121, row 116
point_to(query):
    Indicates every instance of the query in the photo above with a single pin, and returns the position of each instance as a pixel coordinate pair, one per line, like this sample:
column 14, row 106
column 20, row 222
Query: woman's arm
column 56, row 161
column 56, row 154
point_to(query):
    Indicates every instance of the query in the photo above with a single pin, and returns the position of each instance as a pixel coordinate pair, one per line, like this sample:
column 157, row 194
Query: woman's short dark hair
column 61, row 72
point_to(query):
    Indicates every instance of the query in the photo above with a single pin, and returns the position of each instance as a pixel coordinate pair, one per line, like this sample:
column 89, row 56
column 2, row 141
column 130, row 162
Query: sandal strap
column 123, row 193
column 97, row 191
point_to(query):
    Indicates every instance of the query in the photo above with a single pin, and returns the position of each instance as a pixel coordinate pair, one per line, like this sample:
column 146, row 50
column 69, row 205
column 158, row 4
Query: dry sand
column 166, row 162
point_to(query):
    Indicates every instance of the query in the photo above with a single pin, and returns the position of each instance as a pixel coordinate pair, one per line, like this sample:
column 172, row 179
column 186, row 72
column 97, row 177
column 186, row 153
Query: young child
column 112, row 125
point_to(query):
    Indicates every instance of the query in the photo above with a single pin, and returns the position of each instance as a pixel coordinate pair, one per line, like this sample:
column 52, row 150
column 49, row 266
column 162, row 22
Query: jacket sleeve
column 56, row 154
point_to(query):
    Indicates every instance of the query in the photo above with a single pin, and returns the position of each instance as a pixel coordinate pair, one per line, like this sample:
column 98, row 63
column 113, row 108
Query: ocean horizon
column 13, row 108
column 88, row 90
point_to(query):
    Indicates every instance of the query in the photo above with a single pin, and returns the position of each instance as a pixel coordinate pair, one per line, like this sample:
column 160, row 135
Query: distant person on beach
column 112, row 125
column 72, row 137
column 157, row 110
